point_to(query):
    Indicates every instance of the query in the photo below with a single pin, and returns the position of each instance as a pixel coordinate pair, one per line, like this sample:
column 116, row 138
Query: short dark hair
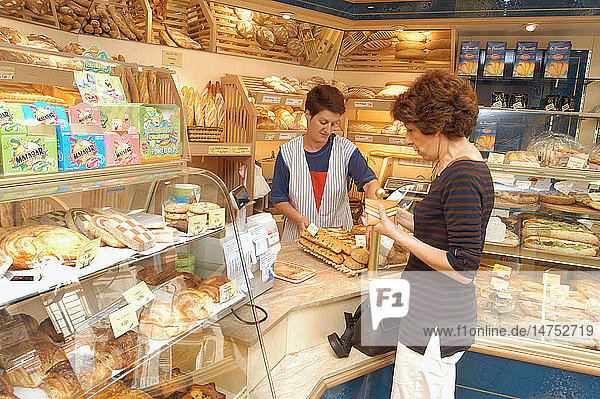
column 439, row 100
column 325, row 97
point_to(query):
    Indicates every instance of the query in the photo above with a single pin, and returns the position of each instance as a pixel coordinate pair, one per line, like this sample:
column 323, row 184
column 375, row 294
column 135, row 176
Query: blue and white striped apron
column 335, row 207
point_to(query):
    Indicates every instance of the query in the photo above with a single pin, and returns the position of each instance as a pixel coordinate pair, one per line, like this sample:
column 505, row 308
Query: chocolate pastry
column 121, row 352
column 207, row 391
column 47, row 328
column 61, row 382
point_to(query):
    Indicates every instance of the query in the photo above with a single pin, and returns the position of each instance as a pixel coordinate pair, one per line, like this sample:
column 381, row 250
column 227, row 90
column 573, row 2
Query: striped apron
column 335, row 207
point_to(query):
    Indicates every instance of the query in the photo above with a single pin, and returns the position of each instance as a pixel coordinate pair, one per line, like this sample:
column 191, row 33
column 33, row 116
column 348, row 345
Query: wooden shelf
column 370, row 104
column 277, row 135
column 220, row 149
column 376, row 138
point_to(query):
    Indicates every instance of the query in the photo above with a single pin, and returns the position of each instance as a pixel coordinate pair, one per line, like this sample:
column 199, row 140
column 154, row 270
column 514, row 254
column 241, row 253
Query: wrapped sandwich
column 371, row 214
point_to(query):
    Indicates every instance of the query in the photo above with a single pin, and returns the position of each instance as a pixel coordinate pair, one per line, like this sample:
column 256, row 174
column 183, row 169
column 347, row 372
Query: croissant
column 61, row 382
column 193, row 304
column 557, row 69
column 162, row 321
column 468, row 67
column 49, row 354
column 494, row 68
column 524, row 69
column 121, row 352
column 212, row 291
column 6, row 387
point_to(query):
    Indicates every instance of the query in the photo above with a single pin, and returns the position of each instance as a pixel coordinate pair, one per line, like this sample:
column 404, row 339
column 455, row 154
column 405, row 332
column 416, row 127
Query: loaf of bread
column 281, row 35
column 336, row 258
column 161, row 321
column 322, row 241
column 410, row 54
column 412, row 36
column 438, row 44
column 265, row 38
column 438, row 55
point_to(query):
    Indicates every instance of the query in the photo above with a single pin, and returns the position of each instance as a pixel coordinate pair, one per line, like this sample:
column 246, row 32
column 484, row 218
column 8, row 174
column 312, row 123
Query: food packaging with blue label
column 468, row 61
column 494, row 59
column 557, row 59
column 525, row 59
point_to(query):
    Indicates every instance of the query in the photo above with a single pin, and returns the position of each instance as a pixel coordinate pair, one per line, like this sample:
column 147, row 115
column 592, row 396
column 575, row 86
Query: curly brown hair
column 439, row 101
column 325, row 97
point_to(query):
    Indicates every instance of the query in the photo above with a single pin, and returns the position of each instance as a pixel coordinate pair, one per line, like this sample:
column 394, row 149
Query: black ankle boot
column 341, row 346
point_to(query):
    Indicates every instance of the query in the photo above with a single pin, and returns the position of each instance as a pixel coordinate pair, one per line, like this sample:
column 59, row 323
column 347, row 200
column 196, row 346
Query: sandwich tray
column 526, row 250
column 348, row 272
column 504, row 204
column 310, row 272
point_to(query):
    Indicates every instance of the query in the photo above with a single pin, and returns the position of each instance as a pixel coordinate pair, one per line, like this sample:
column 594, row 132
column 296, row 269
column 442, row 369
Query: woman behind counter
column 312, row 172
column 449, row 225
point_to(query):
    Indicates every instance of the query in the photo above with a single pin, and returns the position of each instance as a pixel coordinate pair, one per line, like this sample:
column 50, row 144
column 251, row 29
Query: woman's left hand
column 388, row 228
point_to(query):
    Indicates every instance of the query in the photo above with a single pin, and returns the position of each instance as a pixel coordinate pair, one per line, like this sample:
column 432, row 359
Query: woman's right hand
column 303, row 222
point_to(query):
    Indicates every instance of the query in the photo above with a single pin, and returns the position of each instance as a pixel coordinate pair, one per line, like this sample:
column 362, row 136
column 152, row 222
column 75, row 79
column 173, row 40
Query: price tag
column 363, row 104
column 271, row 100
column 550, row 279
column 172, row 58
column 501, row 213
column 228, row 150
column 138, row 295
column 498, row 284
column 502, row 271
column 228, row 291
column 523, row 184
column 504, row 295
column 542, row 185
column 563, row 186
column 364, row 139
column 495, row 158
column 259, row 238
column 312, row 229
column 216, row 218
column 87, row 253
column 269, row 136
column 576, row 163
column 294, row 102
column 495, row 231
column 7, row 73
column 361, row 240
column 123, row 320
column 287, row 135
column 197, row 224
column 594, row 196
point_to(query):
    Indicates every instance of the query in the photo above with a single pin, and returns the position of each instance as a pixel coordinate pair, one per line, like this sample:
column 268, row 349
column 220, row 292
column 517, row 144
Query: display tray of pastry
column 293, row 273
column 178, row 214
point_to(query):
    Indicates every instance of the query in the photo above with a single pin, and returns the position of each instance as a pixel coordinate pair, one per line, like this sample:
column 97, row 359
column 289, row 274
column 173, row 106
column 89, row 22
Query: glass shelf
column 582, row 115
column 592, row 262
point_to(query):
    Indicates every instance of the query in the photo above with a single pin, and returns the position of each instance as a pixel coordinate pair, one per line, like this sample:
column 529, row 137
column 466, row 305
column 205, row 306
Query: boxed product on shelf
column 494, row 59
column 525, row 59
column 12, row 120
column 158, row 127
column 42, row 113
column 468, row 62
column 32, row 152
column 557, row 59
column 81, row 149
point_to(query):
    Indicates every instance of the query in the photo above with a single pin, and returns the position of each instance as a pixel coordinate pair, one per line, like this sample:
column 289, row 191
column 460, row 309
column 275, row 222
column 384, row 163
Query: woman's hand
column 302, row 222
column 388, row 228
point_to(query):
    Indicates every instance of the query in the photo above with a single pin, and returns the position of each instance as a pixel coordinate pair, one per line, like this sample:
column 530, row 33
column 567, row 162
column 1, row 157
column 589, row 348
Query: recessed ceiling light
column 530, row 27
column 286, row 14
column 399, row 28
column 370, row 7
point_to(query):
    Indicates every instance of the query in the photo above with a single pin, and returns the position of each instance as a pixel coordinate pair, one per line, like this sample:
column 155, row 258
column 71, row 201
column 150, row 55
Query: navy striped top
column 452, row 217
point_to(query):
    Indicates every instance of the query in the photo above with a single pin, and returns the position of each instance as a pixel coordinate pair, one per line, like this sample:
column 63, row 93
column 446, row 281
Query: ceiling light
column 286, row 14
column 370, row 7
column 399, row 28
column 530, row 27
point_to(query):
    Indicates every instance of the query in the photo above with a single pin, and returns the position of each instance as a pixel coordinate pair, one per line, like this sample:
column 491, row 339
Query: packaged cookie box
column 121, row 136
column 81, row 149
column 12, row 120
column 159, row 128
column 42, row 113
column 34, row 151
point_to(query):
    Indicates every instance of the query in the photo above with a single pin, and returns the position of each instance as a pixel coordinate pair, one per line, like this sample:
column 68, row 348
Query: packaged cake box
column 12, row 120
column 158, row 126
column 468, row 62
column 525, row 60
column 121, row 137
column 494, row 59
column 42, row 113
column 557, row 59
column 31, row 152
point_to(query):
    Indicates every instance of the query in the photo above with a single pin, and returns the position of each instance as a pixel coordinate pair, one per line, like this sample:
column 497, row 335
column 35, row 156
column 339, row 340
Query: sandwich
column 371, row 214
column 560, row 246
column 562, row 230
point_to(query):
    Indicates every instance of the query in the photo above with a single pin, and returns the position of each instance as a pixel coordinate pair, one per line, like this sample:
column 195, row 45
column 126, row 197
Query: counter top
column 327, row 286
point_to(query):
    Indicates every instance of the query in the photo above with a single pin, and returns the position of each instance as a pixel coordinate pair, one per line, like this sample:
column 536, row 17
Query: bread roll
column 438, row 55
column 61, row 382
column 383, row 35
column 411, row 54
column 412, row 36
column 261, row 18
column 265, row 38
column 375, row 45
column 292, row 28
column 295, row 47
column 245, row 29
column 281, row 35
column 439, row 35
column 438, row 44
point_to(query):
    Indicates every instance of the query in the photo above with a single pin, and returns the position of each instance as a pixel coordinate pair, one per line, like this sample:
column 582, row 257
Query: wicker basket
column 205, row 134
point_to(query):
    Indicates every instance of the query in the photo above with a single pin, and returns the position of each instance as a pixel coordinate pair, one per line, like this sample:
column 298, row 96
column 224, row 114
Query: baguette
column 153, row 87
column 563, row 247
column 143, row 84
column 322, row 241
column 561, row 230
column 203, row 102
column 198, row 114
column 190, row 107
column 337, row 259
column 220, row 104
column 134, row 95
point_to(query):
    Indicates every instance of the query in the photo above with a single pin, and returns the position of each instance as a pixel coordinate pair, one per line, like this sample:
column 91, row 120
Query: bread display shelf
column 369, row 104
column 205, row 134
column 348, row 272
column 546, row 171
column 220, row 149
column 57, row 275
column 375, row 138
column 277, row 135
column 550, row 257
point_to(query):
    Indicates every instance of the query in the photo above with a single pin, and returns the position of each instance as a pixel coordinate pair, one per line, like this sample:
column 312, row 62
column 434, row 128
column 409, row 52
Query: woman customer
column 312, row 172
column 449, row 224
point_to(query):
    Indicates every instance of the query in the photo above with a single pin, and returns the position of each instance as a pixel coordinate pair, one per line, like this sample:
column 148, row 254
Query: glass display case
column 117, row 283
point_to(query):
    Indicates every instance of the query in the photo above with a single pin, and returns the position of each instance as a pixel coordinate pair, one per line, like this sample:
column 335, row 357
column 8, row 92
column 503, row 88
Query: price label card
column 504, row 295
column 228, row 291
column 287, row 135
column 363, row 104
column 312, row 229
column 87, row 253
column 563, row 186
column 498, row 284
column 523, row 184
column 271, row 100
column 123, row 320
column 361, row 240
column 550, row 279
column 172, row 58
column 294, row 102
column 502, row 213
column 495, row 158
column 576, row 163
column 216, row 218
column 363, row 138
column 396, row 140
column 7, row 73
column 138, row 295
column 269, row 136
column 197, row 224
column 594, row 196
column 502, row 271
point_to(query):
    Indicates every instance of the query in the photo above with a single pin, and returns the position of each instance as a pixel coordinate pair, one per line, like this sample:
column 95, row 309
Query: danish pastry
column 207, row 391
column 162, row 321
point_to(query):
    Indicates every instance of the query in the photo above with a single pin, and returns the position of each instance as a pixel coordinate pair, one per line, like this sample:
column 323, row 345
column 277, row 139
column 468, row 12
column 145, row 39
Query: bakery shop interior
column 281, row 199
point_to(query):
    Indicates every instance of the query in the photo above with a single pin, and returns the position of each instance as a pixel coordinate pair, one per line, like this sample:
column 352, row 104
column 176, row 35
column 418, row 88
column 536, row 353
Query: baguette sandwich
column 371, row 214
column 559, row 246
column 562, row 230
